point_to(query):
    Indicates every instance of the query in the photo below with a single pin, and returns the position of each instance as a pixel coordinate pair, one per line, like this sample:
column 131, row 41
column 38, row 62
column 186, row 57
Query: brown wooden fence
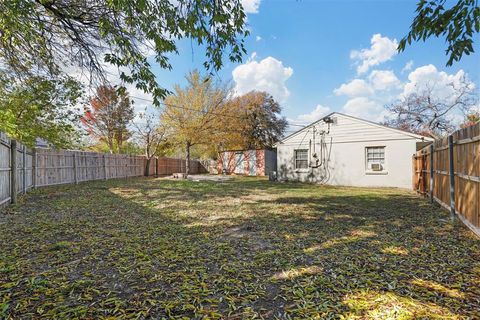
column 448, row 171
column 167, row 166
column 22, row 168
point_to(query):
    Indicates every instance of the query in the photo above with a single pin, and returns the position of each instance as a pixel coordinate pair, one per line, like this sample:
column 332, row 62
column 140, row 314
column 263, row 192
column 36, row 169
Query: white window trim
column 385, row 163
column 376, row 173
column 295, row 160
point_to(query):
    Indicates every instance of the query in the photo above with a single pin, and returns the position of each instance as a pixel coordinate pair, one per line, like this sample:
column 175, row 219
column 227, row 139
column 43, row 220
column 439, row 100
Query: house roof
column 413, row 135
column 238, row 150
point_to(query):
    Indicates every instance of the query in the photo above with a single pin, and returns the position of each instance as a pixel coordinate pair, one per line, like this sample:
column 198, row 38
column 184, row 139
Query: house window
column 301, row 159
column 375, row 158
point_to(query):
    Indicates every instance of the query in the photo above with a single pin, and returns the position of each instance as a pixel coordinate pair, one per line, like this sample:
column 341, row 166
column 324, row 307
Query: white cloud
column 258, row 38
column 408, row 66
column 378, row 80
column 387, row 88
column 381, row 50
column 315, row 115
column 383, row 79
column 267, row 75
column 251, row 6
column 365, row 108
column 355, row 88
column 441, row 83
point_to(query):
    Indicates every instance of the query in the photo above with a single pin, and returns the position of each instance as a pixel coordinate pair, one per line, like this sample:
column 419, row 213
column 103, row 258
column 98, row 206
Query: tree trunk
column 187, row 161
column 120, row 141
column 110, row 146
column 148, row 157
column 147, row 167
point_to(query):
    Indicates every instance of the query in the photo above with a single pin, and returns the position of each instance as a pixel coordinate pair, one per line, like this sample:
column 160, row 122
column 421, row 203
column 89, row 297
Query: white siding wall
column 346, row 144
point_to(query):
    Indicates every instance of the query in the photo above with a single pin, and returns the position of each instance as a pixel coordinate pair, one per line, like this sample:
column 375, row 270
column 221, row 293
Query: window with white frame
column 301, row 159
column 375, row 157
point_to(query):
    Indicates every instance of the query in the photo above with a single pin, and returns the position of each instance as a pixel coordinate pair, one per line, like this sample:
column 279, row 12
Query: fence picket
column 22, row 169
column 13, row 171
column 451, row 174
column 454, row 174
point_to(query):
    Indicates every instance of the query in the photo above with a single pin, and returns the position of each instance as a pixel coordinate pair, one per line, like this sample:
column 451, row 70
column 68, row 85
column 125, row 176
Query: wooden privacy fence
column 54, row 167
column 448, row 171
column 22, row 168
column 17, row 156
column 167, row 166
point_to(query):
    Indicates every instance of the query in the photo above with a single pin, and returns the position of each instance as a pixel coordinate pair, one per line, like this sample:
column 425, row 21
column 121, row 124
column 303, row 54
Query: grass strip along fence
column 22, row 168
column 448, row 171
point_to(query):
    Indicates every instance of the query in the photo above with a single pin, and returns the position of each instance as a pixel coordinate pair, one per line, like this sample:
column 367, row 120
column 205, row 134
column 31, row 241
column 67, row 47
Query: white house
column 343, row 150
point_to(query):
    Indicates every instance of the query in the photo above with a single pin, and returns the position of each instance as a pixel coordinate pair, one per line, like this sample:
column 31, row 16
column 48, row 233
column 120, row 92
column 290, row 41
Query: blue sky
column 302, row 52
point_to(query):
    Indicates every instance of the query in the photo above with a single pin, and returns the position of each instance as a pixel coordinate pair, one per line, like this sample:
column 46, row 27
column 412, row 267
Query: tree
column 458, row 23
column 37, row 107
column 471, row 119
column 152, row 136
column 129, row 147
column 257, row 122
column 50, row 37
column 425, row 112
column 108, row 117
column 193, row 113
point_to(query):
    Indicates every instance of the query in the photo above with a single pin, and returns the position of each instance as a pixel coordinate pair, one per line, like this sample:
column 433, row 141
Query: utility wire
column 204, row 112
column 222, row 131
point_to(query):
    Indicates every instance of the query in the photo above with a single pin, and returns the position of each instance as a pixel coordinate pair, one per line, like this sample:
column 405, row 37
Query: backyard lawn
column 240, row 249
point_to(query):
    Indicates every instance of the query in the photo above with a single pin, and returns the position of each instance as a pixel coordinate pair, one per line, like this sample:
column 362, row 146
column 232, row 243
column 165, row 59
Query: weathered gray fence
column 13, row 154
column 65, row 166
column 22, row 168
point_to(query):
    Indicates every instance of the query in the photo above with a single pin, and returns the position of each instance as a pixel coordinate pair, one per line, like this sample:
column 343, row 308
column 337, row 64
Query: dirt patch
column 249, row 236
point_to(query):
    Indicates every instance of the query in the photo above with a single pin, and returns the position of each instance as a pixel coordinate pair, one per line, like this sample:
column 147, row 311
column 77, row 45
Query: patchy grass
column 246, row 248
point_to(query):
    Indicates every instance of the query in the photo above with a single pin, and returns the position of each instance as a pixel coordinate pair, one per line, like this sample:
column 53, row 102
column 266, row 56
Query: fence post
column 414, row 172
column 156, row 166
column 24, row 150
column 104, row 167
column 452, row 176
column 13, row 171
column 75, row 178
column 431, row 172
column 34, row 168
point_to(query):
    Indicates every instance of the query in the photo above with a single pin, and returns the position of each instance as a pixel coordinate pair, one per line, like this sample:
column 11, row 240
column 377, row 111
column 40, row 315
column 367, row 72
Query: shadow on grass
column 238, row 249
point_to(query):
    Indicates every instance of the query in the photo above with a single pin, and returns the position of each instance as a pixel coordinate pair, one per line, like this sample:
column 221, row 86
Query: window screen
column 301, row 159
column 375, row 155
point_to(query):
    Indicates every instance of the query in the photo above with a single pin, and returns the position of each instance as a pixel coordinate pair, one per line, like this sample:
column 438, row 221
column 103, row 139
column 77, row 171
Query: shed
column 344, row 150
column 258, row 162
